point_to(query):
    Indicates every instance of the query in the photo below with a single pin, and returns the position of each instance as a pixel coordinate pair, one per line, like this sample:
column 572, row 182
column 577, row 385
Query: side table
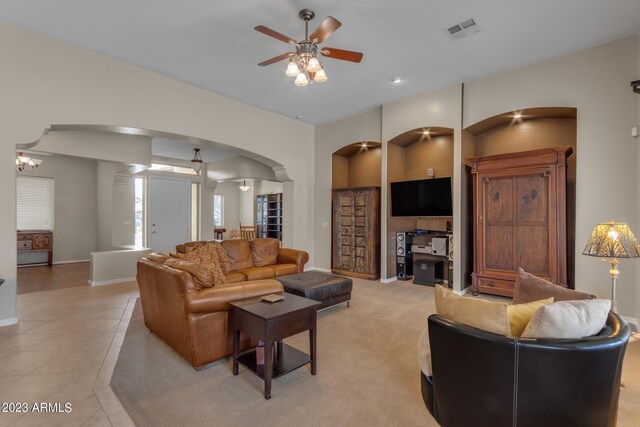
column 271, row 323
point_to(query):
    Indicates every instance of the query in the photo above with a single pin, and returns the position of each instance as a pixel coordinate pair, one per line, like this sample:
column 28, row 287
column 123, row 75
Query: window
column 139, row 211
column 34, row 197
column 218, row 206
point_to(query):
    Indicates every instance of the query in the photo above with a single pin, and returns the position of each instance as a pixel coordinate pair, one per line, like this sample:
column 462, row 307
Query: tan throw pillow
column 208, row 257
column 529, row 288
column 203, row 277
column 489, row 316
column 264, row 251
column 521, row 314
column 568, row 319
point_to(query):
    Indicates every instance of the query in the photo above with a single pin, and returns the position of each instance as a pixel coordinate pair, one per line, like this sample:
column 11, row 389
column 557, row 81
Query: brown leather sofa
column 196, row 322
column 258, row 259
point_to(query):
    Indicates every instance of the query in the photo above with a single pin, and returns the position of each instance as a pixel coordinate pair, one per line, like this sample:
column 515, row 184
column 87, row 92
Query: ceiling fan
column 303, row 62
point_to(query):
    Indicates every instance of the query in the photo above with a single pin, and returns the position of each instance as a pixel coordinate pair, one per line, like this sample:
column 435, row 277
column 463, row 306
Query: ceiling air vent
column 463, row 29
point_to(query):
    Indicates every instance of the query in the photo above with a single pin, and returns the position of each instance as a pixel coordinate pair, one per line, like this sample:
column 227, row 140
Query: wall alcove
column 525, row 130
column 409, row 155
column 356, row 180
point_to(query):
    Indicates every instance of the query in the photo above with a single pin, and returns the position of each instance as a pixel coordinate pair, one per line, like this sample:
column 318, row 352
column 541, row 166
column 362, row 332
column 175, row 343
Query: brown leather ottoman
column 325, row 288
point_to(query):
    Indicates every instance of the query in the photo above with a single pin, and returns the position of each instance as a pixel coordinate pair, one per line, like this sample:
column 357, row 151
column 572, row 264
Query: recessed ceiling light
column 397, row 80
column 299, row 117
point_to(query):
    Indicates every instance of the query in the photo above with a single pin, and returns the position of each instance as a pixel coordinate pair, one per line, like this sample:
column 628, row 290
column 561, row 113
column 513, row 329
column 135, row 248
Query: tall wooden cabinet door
column 343, row 228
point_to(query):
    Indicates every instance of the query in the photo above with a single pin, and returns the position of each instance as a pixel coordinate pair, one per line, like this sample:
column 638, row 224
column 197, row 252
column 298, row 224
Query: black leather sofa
column 484, row 379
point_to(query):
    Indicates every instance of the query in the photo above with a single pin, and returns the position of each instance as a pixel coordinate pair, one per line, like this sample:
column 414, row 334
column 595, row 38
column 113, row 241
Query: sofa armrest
column 217, row 298
column 293, row 256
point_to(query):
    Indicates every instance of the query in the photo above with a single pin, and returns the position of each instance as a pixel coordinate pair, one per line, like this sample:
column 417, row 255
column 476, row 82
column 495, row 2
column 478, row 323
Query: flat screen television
column 425, row 197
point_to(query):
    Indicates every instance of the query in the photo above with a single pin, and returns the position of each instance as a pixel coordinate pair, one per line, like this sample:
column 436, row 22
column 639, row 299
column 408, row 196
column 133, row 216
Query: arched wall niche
column 524, row 130
column 357, row 165
column 409, row 155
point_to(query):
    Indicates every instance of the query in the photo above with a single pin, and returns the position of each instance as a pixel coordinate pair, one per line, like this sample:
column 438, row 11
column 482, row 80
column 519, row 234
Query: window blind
column 34, row 203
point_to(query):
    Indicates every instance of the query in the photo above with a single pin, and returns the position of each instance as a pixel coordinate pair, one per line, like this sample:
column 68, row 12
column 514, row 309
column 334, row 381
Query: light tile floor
column 63, row 351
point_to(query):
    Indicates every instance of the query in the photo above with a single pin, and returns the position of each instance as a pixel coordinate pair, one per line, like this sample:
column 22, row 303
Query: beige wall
column 51, row 82
column 328, row 139
column 365, row 168
column 74, row 213
column 436, row 153
column 339, row 171
column 596, row 82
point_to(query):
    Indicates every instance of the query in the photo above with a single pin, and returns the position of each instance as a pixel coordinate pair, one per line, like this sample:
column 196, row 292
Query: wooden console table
column 36, row 241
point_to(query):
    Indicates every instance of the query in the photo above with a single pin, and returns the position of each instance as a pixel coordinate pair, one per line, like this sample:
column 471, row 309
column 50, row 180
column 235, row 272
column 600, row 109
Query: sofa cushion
column 521, row 314
column 209, row 256
column 490, row 316
column 157, row 257
column 202, row 277
column 424, row 353
column 284, row 269
column 258, row 273
column 569, row 319
column 264, row 251
column 530, row 288
column 235, row 277
column 239, row 254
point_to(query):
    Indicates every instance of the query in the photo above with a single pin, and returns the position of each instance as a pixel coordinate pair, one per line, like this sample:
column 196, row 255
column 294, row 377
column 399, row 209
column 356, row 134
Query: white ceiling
column 212, row 44
column 175, row 149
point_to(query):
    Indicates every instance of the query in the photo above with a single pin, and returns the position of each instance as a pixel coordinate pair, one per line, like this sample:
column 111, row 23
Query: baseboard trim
column 463, row 292
column 633, row 321
column 326, row 270
column 72, row 261
column 111, row 282
column 389, row 280
column 8, row 322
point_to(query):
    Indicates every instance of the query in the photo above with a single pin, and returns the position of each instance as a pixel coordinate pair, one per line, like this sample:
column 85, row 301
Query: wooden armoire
column 355, row 244
column 519, row 218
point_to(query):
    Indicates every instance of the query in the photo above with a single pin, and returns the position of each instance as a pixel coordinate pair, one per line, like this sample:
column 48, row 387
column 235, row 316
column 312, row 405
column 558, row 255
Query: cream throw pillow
column 569, row 319
column 521, row 314
column 489, row 316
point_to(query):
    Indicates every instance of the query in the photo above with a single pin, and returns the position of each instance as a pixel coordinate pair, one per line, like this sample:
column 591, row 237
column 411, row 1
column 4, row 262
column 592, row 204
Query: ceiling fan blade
column 275, row 34
column 345, row 55
column 275, row 59
column 325, row 29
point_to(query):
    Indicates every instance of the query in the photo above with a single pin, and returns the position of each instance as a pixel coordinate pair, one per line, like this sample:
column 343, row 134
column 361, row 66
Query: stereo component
column 404, row 256
column 439, row 246
column 422, row 249
column 450, row 247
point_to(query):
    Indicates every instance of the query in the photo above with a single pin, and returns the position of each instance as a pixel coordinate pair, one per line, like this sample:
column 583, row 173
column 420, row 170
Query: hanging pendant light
column 244, row 186
column 196, row 162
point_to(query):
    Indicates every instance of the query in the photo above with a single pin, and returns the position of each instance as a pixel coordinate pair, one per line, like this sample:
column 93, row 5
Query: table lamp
column 612, row 240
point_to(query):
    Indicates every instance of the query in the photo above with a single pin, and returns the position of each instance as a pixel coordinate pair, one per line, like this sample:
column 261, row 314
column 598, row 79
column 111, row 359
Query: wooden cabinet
column 519, row 204
column 356, row 232
column 269, row 215
column 34, row 242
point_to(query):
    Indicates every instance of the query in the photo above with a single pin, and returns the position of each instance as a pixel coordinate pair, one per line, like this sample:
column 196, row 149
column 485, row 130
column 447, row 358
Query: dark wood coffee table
column 271, row 323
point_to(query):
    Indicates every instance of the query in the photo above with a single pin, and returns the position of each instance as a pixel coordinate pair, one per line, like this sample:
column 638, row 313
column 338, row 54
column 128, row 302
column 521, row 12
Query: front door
column 169, row 213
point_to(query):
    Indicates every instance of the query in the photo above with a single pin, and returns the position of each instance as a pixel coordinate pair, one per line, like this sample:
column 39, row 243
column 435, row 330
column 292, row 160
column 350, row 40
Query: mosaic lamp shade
column 612, row 240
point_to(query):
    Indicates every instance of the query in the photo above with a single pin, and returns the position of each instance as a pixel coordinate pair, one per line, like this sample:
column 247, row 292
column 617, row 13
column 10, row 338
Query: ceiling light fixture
column 396, row 80
column 303, row 63
column 26, row 163
column 244, row 186
column 517, row 115
column 196, row 162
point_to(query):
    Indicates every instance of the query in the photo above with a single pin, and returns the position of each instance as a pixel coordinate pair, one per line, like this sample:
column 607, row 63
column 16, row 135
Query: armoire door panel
column 532, row 250
column 498, row 253
column 532, row 198
column 499, row 200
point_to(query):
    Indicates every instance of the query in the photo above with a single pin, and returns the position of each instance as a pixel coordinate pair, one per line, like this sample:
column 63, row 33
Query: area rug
column 368, row 373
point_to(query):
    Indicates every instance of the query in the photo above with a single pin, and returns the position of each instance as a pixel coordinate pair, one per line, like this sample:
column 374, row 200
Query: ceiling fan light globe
column 314, row 65
column 320, row 76
column 292, row 69
column 301, row 80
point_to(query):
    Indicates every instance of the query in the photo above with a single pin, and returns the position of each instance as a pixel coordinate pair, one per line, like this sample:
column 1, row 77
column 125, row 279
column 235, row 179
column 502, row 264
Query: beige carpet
column 367, row 373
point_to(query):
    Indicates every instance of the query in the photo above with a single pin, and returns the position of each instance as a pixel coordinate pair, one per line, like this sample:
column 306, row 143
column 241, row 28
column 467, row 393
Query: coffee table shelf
column 287, row 359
